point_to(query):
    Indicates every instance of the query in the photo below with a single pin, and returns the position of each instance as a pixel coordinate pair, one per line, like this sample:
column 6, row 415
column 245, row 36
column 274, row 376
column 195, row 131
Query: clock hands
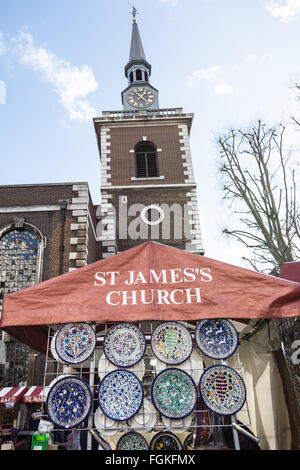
column 142, row 96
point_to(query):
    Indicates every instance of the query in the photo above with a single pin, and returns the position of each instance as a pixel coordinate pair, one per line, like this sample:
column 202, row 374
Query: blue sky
column 62, row 63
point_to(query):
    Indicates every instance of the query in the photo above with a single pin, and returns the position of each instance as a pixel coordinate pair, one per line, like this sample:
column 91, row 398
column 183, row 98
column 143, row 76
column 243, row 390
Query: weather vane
column 134, row 12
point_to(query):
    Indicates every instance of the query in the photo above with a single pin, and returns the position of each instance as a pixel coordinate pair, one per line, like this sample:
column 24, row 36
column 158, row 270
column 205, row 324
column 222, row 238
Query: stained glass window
column 18, row 261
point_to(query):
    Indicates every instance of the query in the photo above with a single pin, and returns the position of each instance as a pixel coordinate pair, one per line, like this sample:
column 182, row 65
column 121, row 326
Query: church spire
column 138, row 72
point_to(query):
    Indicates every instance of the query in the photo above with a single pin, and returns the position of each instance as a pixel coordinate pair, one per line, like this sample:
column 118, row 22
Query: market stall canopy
column 35, row 394
column 12, row 394
column 152, row 282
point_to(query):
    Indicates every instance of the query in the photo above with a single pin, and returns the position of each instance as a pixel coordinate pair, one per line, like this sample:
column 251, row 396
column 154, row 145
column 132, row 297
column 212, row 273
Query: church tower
column 148, row 187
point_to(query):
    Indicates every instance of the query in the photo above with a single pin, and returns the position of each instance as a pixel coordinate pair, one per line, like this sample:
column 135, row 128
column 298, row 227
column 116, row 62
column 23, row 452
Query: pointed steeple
column 136, row 49
column 138, row 72
column 137, row 56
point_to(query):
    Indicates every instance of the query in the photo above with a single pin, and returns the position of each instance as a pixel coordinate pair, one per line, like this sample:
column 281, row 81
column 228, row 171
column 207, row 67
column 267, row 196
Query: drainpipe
column 63, row 207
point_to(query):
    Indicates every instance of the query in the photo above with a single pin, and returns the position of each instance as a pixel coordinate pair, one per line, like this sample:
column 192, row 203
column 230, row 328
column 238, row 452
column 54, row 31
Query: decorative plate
column 132, row 441
column 105, row 425
column 69, row 402
column 171, row 342
column 104, row 366
column 124, row 344
column 75, row 342
column 174, row 393
column 222, row 390
column 217, row 339
column 165, row 441
column 120, row 395
column 146, row 418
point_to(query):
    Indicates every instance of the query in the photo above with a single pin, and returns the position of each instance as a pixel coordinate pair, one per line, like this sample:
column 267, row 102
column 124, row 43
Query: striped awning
column 34, row 394
column 12, row 394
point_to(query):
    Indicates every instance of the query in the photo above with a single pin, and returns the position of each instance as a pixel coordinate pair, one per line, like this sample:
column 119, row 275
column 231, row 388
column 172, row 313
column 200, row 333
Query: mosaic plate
column 165, row 441
column 132, row 441
column 69, row 402
column 120, row 395
column 222, row 390
column 174, row 393
column 217, row 339
column 124, row 345
column 171, row 342
column 75, row 342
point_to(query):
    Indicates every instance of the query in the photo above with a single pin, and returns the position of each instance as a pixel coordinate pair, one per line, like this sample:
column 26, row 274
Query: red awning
column 151, row 282
column 12, row 394
column 35, row 394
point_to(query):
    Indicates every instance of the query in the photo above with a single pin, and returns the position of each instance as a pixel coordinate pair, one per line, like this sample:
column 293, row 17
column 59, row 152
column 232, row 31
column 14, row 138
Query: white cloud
column 288, row 11
column 209, row 74
column 223, row 88
column 3, row 47
column 72, row 84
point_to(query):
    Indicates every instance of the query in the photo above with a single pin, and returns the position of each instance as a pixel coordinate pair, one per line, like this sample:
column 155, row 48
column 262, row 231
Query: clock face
column 140, row 97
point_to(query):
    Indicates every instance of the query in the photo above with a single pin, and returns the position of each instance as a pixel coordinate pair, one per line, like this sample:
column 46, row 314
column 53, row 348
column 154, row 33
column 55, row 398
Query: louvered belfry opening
column 146, row 160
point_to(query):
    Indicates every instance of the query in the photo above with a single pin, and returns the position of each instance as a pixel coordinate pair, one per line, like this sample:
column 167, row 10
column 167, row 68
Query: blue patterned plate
column 124, row 344
column 171, row 342
column 69, row 402
column 165, row 441
column 132, row 441
column 222, row 390
column 75, row 342
column 174, row 393
column 120, row 395
column 217, row 339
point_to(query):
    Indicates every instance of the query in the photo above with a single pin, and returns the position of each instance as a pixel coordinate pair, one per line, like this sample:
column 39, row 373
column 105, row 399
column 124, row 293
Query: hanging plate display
column 174, row 393
column 222, row 390
column 171, row 342
column 124, row 344
column 75, row 342
column 217, row 339
column 165, row 441
column 132, row 441
column 105, row 425
column 69, row 402
column 120, row 395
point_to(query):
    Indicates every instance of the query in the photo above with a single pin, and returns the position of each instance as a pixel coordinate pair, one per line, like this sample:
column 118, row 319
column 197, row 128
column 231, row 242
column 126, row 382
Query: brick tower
column 147, row 181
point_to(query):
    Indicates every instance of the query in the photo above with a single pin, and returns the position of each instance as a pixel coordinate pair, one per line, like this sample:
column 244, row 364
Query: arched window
column 146, row 76
column 139, row 74
column 146, row 160
column 131, row 77
column 21, row 254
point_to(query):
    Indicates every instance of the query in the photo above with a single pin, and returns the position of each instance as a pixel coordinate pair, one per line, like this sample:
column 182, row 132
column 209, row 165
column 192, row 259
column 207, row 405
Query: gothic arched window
column 20, row 259
column 146, row 160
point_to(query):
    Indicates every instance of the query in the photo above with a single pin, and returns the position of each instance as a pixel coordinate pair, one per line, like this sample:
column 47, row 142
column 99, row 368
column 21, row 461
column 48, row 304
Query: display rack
column 94, row 369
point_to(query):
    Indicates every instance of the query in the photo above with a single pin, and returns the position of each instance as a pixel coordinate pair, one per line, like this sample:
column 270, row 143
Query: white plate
column 145, row 419
column 104, row 367
column 193, row 366
column 178, row 424
column 105, row 425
